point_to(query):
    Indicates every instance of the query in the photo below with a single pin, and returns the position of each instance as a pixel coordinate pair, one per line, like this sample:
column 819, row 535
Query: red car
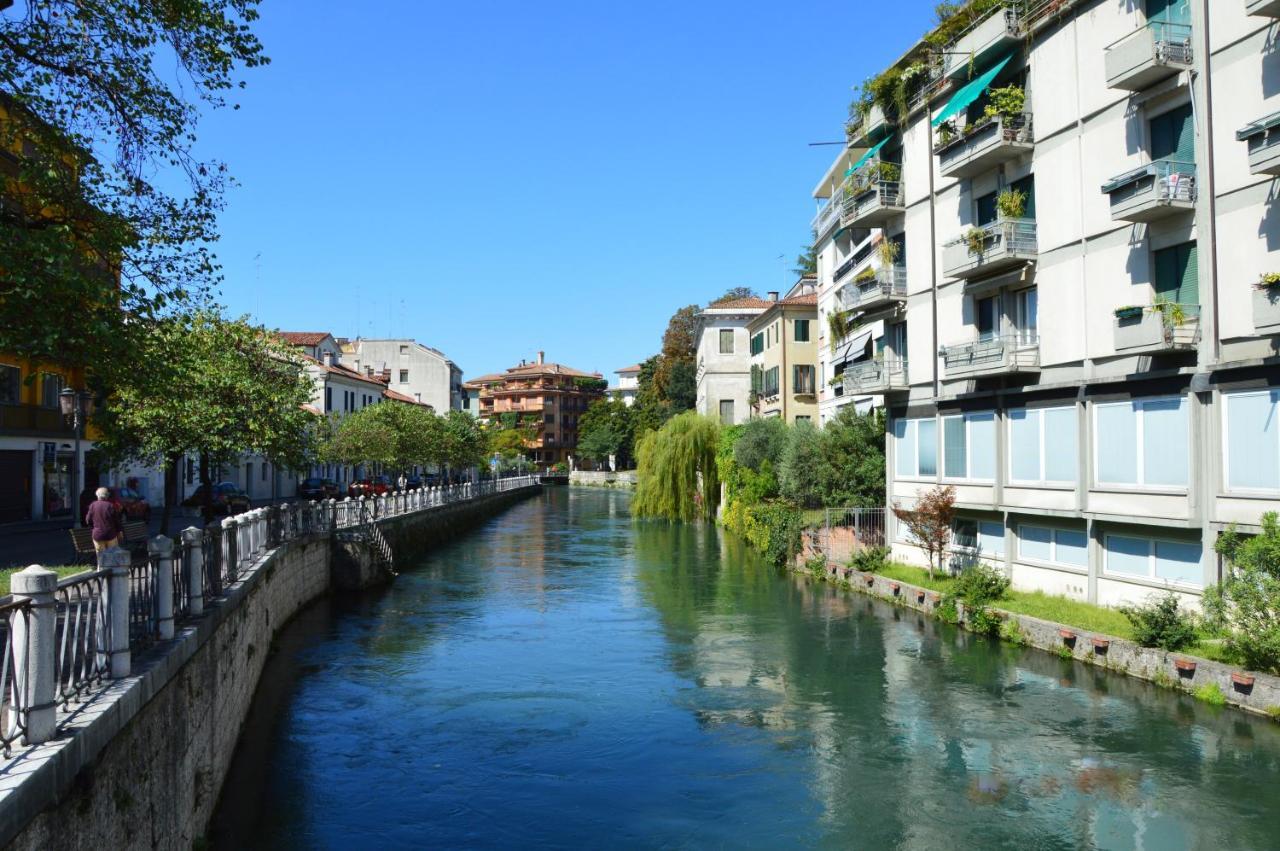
column 373, row 486
column 131, row 504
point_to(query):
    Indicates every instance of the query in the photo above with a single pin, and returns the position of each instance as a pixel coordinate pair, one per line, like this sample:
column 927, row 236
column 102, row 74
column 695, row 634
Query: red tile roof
column 802, row 300
column 627, row 370
column 338, row 369
column 740, row 304
column 550, row 369
column 400, row 397
column 303, row 338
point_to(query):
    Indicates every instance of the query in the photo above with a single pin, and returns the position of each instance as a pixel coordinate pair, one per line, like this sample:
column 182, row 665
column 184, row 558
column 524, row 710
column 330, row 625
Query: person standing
column 104, row 519
column 402, row 482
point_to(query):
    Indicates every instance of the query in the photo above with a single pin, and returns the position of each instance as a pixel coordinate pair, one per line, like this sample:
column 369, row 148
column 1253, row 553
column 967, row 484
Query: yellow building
column 784, row 355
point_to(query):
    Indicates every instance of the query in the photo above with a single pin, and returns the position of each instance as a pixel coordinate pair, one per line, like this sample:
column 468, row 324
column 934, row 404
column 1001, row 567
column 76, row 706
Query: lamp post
column 77, row 406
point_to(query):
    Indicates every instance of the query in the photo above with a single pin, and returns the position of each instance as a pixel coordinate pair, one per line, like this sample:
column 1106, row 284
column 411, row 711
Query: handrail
column 1175, row 180
column 1161, row 31
column 1018, row 128
column 1018, row 234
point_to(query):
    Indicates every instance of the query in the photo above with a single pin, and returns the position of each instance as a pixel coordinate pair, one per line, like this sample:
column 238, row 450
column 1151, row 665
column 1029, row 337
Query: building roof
column 303, row 338
column 474, row 383
column 801, row 300
column 627, row 370
column 550, row 369
column 400, row 397
column 346, row 372
column 312, row 409
column 751, row 303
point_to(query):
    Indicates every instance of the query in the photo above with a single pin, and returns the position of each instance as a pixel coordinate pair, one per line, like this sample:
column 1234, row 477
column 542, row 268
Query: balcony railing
column 829, row 214
column 1263, row 138
column 874, row 195
column 1163, row 327
column 887, row 287
column 983, row 144
column 1001, row 245
column 1001, row 28
column 1152, row 191
column 1001, row 355
column 875, row 377
column 33, row 418
column 855, row 260
column 1145, row 57
column 1264, row 8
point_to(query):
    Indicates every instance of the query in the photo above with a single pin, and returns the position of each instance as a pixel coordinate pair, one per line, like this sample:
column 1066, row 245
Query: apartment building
column 628, row 385
column 419, row 372
column 724, row 359
column 784, row 355
column 1083, row 198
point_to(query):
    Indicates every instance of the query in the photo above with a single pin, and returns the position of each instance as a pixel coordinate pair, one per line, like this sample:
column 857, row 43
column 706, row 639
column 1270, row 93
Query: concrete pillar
column 284, row 523
column 230, row 545
column 115, row 562
column 34, row 642
column 193, row 540
column 160, row 549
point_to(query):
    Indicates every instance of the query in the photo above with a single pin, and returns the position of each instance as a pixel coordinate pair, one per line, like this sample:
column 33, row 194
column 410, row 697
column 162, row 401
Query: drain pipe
column 1209, row 223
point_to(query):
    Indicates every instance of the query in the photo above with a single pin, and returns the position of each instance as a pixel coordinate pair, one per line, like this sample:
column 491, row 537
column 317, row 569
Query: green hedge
column 771, row 527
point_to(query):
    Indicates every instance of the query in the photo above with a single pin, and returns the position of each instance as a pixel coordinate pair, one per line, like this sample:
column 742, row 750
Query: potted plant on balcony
column 1268, row 280
column 976, row 239
column 1174, row 315
column 840, row 324
column 1006, row 103
column 887, row 252
column 1011, row 203
column 1129, row 311
column 866, row 276
column 946, row 134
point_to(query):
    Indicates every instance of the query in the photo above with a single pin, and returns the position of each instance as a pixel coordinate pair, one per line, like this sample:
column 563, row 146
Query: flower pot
column 895, row 587
column 1100, row 645
column 871, row 580
column 1068, row 637
column 1242, row 682
column 919, row 596
column 1185, row 667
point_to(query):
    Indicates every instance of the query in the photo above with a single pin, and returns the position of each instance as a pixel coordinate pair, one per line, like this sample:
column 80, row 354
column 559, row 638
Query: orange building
column 546, row 398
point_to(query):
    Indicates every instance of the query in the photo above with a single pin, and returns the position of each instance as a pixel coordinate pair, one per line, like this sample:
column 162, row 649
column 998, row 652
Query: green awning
column 971, row 92
column 871, row 152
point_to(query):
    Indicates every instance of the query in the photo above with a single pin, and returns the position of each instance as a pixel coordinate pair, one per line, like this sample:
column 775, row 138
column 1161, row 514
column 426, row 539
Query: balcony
column 33, row 419
column 875, row 378
column 882, row 288
column 1263, row 138
column 1263, row 8
column 829, row 214
column 1004, row 355
column 996, row 33
column 875, row 196
column 861, row 127
column 1154, row 191
column 1157, row 329
column 1154, row 53
column 997, row 247
column 983, row 145
column 1266, row 308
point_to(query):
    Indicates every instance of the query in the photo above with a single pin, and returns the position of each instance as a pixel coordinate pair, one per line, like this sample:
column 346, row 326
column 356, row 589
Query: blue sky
column 494, row 178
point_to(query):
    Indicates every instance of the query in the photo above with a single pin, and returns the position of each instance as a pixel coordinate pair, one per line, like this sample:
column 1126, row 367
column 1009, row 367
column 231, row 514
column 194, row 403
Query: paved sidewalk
column 49, row 543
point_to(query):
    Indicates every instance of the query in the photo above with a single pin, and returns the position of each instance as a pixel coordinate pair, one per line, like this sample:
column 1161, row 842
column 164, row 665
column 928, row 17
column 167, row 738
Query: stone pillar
column 34, row 643
column 230, row 548
column 115, row 562
column 284, row 522
column 193, row 540
column 160, row 549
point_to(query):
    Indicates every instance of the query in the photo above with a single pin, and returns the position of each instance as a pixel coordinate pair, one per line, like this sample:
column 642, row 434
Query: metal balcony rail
column 1018, row 128
column 829, row 212
column 1172, row 41
column 888, row 282
column 993, row 351
column 877, row 372
column 1174, row 180
column 1013, row 236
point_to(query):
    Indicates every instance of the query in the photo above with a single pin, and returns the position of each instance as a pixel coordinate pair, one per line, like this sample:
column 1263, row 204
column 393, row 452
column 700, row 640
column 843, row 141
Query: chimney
column 327, row 358
column 540, row 358
column 773, row 295
column 368, row 370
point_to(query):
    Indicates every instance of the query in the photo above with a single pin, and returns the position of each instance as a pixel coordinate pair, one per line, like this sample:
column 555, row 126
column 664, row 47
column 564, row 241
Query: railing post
column 115, row 562
column 34, row 640
column 160, row 549
column 230, row 548
column 194, row 539
column 283, row 526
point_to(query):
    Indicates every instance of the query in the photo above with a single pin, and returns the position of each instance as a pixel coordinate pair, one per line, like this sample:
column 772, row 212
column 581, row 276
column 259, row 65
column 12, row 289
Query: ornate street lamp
column 77, row 407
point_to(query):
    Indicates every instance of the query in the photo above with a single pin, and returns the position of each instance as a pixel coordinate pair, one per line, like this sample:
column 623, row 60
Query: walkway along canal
column 563, row 676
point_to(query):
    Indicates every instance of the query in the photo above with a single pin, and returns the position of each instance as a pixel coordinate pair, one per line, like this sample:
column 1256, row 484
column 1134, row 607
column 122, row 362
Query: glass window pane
column 1165, row 449
column 904, row 444
column 1253, row 441
column 965, row 534
column 991, row 538
column 1071, row 547
column 1033, row 542
column 1128, row 555
column 928, row 431
column 1116, row 437
column 1060, row 445
column 982, row 446
column 1024, row 446
column 953, row 447
column 1179, row 562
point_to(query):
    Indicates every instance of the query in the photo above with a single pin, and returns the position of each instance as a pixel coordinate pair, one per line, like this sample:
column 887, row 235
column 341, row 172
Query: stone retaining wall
column 603, row 479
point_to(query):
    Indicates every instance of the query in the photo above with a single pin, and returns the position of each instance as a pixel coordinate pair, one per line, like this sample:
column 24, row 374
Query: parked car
column 131, row 504
column 413, row 482
column 317, row 488
column 228, row 499
column 371, row 486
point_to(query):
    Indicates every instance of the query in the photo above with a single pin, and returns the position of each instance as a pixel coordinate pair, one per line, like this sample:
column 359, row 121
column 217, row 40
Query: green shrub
column 1160, row 623
column 761, row 440
column 984, row 621
column 979, row 584
column 800, row 467
column 870, row 560
column 1211, row 694
column 773, row 528
column 1247, row 602
column 817, row 565
column 1012, row 633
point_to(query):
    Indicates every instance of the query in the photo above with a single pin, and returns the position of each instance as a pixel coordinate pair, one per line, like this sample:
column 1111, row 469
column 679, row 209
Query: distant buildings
column 784, row 355
column 411, row 369
column 724, row 359
column 628, row 385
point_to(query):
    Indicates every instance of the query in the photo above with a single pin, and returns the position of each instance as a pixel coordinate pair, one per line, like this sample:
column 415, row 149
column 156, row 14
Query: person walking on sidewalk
column 104, row 519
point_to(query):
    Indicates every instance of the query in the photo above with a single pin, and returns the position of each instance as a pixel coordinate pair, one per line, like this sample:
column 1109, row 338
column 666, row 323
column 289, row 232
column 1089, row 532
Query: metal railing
column 1020, row 349
column 889, row 282
column 1010, row 236
column 1170, row 180
column 828, row 213
column 1019, row 128
column 851, row 530
column 80, row 635
column 14, row 672
column 879, row 374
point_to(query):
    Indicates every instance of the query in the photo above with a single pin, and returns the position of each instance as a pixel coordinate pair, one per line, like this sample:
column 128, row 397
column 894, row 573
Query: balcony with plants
column 872, row 195
column 1266, row 303
column 1158, row 328
column 1155, row 52
column 1154, row 191
column 880, row 376
column 1001, row 131
column 1006, row 243
column 889, row 97
column 1263, row 139
column 983, row 28
column 881, row 284
column 1263, row 8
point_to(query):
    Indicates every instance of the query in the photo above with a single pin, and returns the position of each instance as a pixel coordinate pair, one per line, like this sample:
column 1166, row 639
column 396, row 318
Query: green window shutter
column 1177, row 274
column 1173, row 136
column 1189, row 289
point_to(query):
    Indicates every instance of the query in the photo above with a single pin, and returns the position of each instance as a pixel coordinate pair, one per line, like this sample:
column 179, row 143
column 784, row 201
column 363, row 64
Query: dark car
column 317, row 488
column 371, row 486
column 413, row 482
column 227, row 499
column 131, row 504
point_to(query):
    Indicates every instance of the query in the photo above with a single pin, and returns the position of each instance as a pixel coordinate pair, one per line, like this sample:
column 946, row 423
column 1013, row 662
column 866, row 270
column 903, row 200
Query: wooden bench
column 82, row 543
column 133, row 539
column 135, row 536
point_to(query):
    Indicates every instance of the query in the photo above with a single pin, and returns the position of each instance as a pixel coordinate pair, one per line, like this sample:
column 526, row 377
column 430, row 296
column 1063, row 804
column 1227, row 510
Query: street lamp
column 77, row 406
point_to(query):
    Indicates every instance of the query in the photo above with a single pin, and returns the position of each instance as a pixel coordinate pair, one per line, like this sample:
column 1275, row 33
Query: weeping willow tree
column 676, row 472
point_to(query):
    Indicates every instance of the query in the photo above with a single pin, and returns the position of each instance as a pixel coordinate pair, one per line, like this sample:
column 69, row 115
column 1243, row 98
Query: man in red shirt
column 104, row 519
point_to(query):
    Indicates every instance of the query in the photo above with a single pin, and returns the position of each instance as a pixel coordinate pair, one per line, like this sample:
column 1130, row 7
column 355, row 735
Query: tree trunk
column 170, row 492
column 206, row 490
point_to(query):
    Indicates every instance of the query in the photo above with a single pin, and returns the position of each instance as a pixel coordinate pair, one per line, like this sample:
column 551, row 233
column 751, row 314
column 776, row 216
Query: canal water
column 565, row 677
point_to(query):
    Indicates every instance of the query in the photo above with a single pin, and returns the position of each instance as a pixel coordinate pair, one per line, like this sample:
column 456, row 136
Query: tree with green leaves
column 676, row 475
column 852, row 446
column 607, row 428
column 464, row 441
column 1246, row 603
column 735, row 293
column 209, row 386
column 801, row 466
column 395, row 435
column 116, row 211
column 807, row 261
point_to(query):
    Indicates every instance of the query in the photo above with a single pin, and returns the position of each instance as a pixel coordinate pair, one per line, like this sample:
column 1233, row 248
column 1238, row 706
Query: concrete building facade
column 628, row 385
column 784, row 355
column 724, row 359
column 420, row 372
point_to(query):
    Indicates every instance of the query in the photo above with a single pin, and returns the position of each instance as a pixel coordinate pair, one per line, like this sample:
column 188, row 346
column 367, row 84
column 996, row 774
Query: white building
column 417, row 371
column 628, row 385
column 1095, row 362
column 724, row 359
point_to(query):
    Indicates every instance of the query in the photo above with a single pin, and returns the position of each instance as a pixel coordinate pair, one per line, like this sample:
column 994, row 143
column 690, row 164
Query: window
column 757, row 343
column 1173, row 135
column 264, row 472
column 10, row 384
column 1042, row 445
column 803, row 418
column 328, row 399
column 550, row 419
column 1251, row 440
column 1142, row 442
column 1176, row 271
column 726, row 411
column 191, row 470
column 771, row 381
column 50, row 387
column 916, row 448
column 969, row 447
column 803, row 379
column 1056, row 546
column 726, row 341
column 985, row 209
column 987, row 313
column 802, row 330
column 1024, row 315
column 404, row 376
column 982, row 537
column 1156, row 559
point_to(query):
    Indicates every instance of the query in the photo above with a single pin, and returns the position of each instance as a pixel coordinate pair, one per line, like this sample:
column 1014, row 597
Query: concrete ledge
column 624, row 479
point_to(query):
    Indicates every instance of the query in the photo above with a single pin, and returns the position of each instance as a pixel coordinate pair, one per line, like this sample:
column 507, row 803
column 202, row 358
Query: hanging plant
column 887, row 252
column 1011, row 203
column 976, row 239
column 840, row 324
column 1130, row 311
column 1173, row 313
column 1268, row 280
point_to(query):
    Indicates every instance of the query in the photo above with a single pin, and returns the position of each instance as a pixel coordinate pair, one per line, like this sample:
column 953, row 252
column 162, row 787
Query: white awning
column 855, row 349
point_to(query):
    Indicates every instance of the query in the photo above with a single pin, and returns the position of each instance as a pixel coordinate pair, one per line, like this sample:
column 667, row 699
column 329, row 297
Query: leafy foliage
column 801, row 467
column 1247, row 601
column 929, row 523
column 772, row 527
column 397, row 436
column 870, row 559
column 735, row 293
column 807, row 261
column 980, row 584
column 607, row 428
column 1160, row 623
column 760, row 440
column 852, row 450
column 677, row 477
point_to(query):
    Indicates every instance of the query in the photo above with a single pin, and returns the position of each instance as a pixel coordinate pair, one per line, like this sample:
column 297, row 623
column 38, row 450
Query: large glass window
column 969, row 446
column 50, row 389
column 726, row 411
column 1042, row 445
column 1251, row 440
column 1052, row 545
column 1144, row 443
column 771, row 381
column 1150, row 558
column 915, row 448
